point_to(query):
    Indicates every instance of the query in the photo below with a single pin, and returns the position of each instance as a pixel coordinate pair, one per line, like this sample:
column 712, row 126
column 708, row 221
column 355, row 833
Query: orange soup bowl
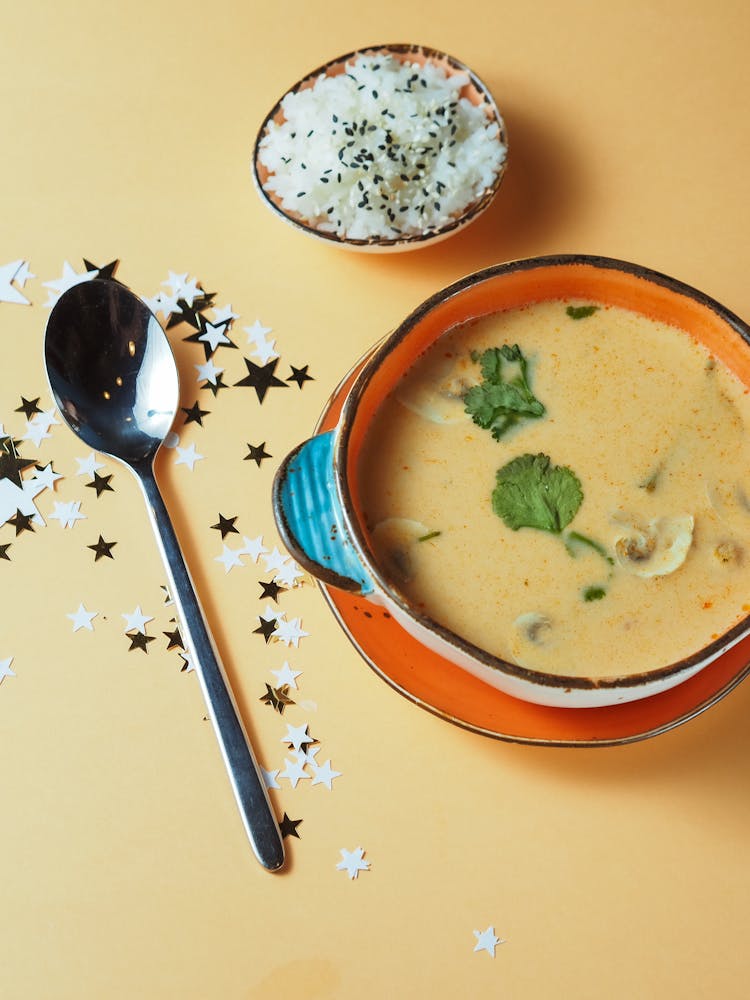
column 317, row 496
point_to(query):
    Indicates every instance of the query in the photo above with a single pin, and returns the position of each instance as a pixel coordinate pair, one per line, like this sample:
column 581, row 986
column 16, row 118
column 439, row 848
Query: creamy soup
column 596, row 521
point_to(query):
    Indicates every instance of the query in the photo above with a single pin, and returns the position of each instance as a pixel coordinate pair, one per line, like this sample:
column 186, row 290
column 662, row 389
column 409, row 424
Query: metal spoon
column 114, row 378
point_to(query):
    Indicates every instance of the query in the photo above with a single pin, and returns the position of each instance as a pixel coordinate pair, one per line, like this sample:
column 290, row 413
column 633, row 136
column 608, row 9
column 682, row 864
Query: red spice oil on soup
column 590, row 514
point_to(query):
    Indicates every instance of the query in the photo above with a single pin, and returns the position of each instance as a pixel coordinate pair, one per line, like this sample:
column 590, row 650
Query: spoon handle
column 247, row 782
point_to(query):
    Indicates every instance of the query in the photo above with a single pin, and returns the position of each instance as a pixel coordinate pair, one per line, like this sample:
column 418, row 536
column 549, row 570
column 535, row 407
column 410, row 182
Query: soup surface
column 596, row 520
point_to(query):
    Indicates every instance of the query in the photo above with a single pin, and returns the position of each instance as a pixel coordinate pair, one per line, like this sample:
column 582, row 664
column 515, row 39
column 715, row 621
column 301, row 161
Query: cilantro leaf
column 594, row 593
column 581, row 312
column 531, row 492
column 498, row 403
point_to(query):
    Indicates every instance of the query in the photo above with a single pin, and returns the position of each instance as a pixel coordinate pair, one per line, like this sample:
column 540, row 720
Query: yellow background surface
column 619, row 873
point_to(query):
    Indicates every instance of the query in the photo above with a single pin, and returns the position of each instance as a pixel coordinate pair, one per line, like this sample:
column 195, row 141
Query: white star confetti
column 230, row 558
column 82, row 618
column 36, row 432
column 136, row 621
column 307, row 754
column 46, row 477
column 294, row 772
column 297, row 736
column 14, row 498
column 183, row 287
column 253, row 547
column 275, row 560
column 88, row 466
column 188, row 456
column 352, row 862
column 323, row 774
column 289, row 575
column 265, row 351
column 163, row 303
column 487, row 941
column 5, row 670
column 208, row 372
column 290, row 632
column 213, row 336
column 67, row 513
column 224, row 314
column 257, row 332
column 270, row 778
column 10, row 273
column 68, row 280
column 286, row 676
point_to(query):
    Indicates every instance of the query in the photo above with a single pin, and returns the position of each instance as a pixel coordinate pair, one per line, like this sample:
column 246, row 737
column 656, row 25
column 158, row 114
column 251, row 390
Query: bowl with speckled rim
column 316, row 496
column 474, row 90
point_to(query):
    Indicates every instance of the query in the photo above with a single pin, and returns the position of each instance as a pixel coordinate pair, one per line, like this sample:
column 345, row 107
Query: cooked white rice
column 384, row 150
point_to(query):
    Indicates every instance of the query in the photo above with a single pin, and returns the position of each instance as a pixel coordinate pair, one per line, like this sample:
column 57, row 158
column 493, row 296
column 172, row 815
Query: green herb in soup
column 594, row 593
column 634, row 471
column 500, row 402
column 531, row 492
column 581, row 312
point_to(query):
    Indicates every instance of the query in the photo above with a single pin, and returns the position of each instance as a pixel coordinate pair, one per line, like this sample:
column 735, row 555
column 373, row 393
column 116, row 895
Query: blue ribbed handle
column 310, row 518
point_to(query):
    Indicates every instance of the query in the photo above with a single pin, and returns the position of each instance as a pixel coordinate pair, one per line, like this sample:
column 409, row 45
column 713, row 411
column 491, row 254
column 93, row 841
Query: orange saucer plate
column 444, row 689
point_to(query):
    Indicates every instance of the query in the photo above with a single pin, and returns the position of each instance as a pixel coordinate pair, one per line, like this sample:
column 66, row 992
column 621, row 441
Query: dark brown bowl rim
column 463, row 646
column 459, row 222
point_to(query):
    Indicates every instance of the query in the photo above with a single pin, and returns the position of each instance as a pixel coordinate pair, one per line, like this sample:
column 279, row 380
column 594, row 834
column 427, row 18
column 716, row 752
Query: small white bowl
column 474, row 90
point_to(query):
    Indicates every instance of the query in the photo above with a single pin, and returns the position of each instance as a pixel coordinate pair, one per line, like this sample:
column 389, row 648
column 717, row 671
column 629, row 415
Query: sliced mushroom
column 535, row 627
column 658, row 548
column 395, row 540
column 728, row 552
column 437, row 388
column 731, row 503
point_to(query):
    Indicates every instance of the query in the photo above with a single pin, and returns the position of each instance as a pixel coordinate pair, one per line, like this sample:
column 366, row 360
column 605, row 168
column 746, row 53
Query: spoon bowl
column 114, row 378
column 119, row 393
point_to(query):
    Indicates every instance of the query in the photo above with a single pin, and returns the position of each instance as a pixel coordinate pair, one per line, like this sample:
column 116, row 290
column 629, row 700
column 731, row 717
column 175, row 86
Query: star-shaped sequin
column 174, row 640
column 256, row 453
column 288, row 827
column 277, row 698
column 300, row 376
column 28, row 407
column 266, row 628
column 101, row 484
column 21, row 522
column 139, row 640
column 11, row 463
column 194, row 414
column 102, row 549
column 226, row 525
column 270, row 590
column 216, row 385
column 108, row 271
column 261, row 378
